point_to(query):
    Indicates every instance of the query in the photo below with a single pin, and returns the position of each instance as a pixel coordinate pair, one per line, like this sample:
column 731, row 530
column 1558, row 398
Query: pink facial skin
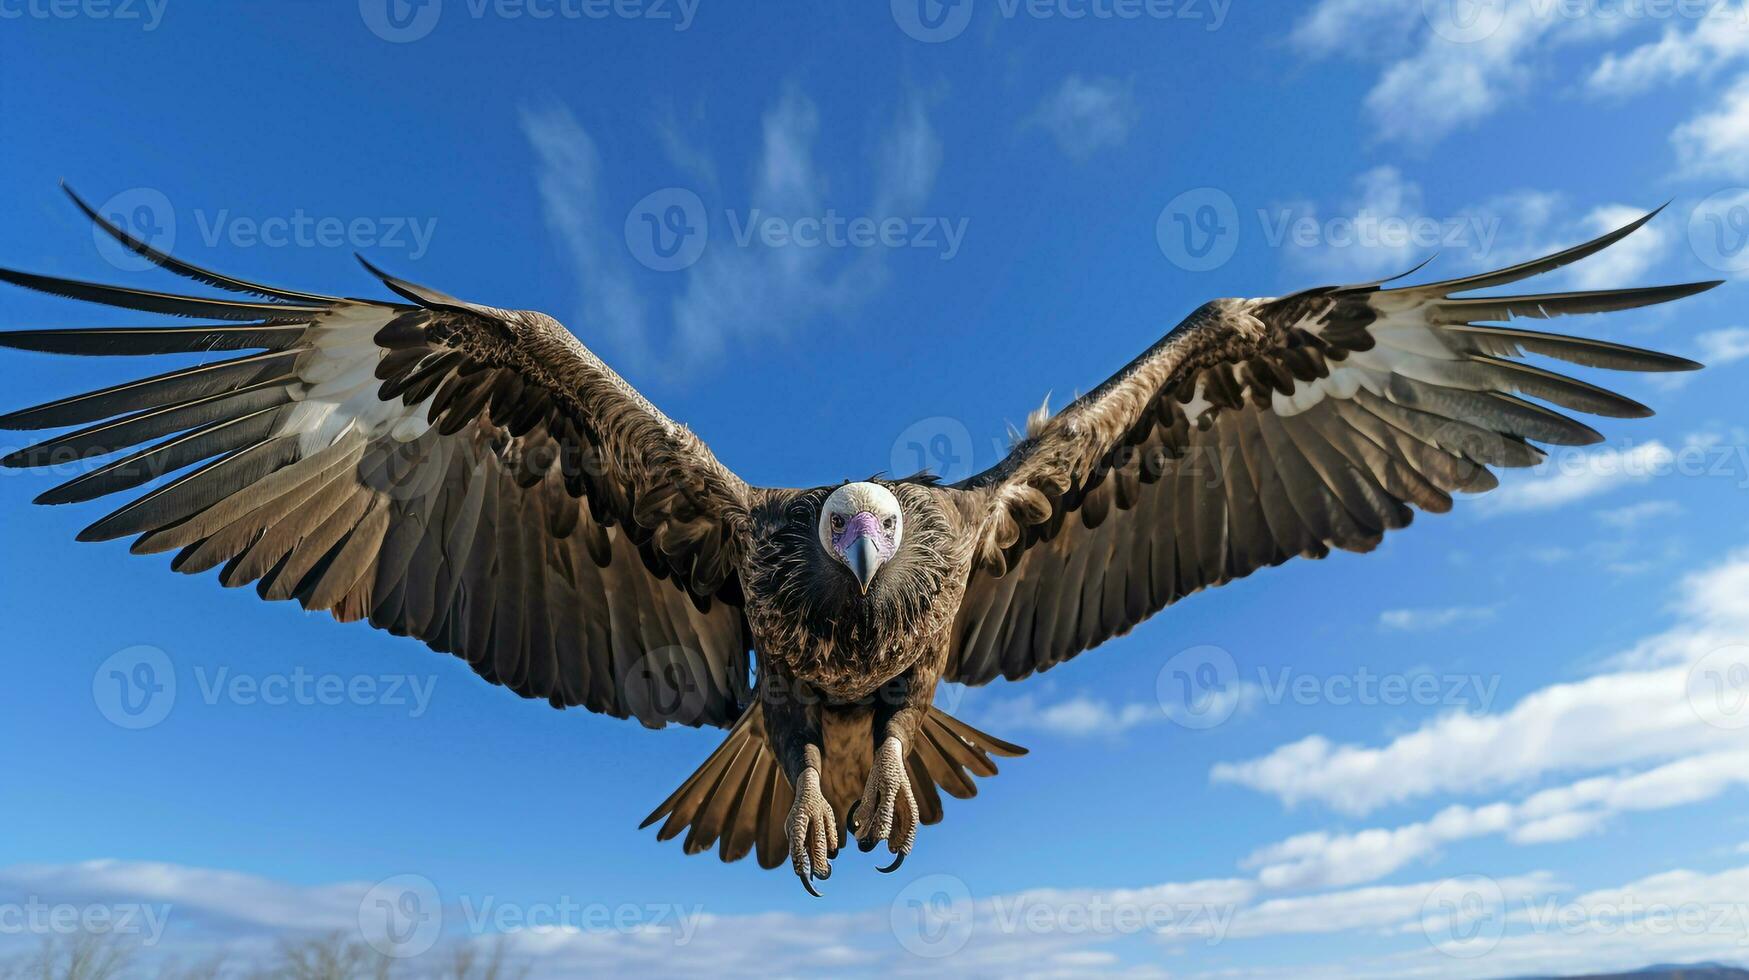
column 863, row 525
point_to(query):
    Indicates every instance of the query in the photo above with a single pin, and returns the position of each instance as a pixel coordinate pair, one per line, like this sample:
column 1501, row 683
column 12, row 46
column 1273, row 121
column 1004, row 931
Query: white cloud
column 737, row 294
column 1087, row 115
column 1439, row 75
column 1421, row 620
column 1324, row 860
column 1695, row 50
column 1633, row 515
column 1727, row 346
column 1569, row 476
column 569, row 178
column 1082, row 716
column 1716, row 142
column 1639, row 713
column 1627, row 261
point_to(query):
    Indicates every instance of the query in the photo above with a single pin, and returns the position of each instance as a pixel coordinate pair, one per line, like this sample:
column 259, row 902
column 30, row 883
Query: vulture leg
column 813, row 831
column 888, row 805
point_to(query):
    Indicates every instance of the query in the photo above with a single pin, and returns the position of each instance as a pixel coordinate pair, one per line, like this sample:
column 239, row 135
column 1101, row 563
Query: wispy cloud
column 1087, row 115
column 736, row 295
column 569, row 177
column 1727, row 346
column 1441, row 73
column 1567, row 478
column 738, row 291
column 1715, row 143
column 1423, row 620
column 1697, row 49
column 1633, row 515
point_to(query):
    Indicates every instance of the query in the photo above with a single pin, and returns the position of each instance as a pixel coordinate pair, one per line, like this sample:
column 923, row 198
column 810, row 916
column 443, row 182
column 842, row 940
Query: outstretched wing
column 469, row 476
column 1258, row 430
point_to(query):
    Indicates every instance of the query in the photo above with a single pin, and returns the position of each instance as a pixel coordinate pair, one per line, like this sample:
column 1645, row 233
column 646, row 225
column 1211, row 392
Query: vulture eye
column 888, row 523
column 837, row 522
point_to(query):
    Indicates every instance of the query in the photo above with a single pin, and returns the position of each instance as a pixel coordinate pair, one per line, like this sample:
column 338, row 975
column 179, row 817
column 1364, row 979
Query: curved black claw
column 889, row 869
column 850, row 818
column 809, row 886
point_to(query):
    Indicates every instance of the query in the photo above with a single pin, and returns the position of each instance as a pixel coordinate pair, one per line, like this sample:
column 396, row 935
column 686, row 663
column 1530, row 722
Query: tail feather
column 739, row 798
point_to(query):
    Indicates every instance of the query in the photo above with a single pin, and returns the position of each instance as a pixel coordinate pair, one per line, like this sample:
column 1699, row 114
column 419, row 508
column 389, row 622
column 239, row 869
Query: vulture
column 477, row 479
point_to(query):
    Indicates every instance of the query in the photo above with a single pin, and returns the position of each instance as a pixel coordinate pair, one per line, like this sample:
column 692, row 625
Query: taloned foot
column 813, row 832
column 887, row 810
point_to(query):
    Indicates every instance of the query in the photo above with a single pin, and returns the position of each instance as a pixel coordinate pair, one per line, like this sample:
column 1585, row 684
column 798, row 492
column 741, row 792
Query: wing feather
column 1258, row 430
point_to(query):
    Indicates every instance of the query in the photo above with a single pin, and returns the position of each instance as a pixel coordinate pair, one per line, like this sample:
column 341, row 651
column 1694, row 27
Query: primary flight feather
column 478, row 479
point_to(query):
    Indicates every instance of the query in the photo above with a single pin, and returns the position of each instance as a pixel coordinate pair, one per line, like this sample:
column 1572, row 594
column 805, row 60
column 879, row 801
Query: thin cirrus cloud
column 1568, row 477
column 733, row 295
column 1715, row 143
column 1424, row 620
column 1087, row 115
column 1698, row 49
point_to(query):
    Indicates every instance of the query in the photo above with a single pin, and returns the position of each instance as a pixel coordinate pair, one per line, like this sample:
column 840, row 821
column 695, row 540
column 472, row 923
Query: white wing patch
column 1407, row 345
column 338, row 393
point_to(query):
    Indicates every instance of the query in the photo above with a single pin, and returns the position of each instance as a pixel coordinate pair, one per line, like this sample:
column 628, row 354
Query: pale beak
column 864, row 560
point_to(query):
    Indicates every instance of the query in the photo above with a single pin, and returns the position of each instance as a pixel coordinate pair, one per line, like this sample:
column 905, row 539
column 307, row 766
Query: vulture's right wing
column 1258, row 430
column 470, row 476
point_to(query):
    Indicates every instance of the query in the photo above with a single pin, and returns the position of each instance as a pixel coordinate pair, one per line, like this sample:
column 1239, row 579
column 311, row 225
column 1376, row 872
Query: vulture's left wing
column 470, row 476
column 1258, row 430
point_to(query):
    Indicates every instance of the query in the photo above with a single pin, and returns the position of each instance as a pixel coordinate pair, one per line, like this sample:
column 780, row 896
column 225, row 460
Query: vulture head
column 860, row 525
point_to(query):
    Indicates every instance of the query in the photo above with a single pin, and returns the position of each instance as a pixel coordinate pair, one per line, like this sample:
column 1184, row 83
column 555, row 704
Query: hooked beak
column 864, row 560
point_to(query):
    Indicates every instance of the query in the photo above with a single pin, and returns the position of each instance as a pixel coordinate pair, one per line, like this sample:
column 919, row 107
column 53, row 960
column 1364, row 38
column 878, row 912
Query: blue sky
column 1503, row 712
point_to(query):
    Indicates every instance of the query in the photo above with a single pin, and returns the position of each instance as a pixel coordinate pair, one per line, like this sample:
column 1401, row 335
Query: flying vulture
column 477, row 479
